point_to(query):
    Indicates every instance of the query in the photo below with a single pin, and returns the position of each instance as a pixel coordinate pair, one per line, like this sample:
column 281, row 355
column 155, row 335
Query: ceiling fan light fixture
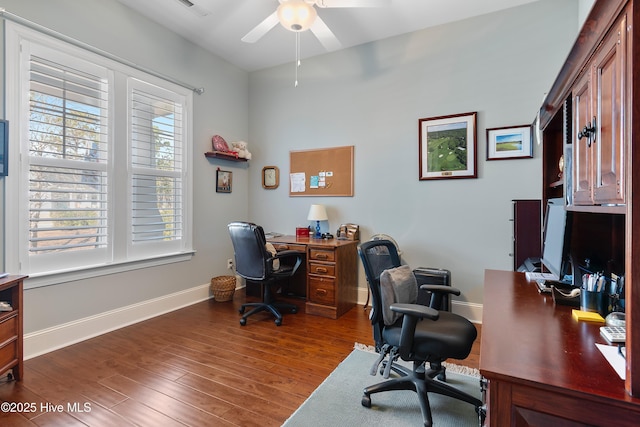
column 296, row 15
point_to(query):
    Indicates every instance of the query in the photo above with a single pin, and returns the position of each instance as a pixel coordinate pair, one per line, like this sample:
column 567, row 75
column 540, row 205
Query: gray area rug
column 336, row 402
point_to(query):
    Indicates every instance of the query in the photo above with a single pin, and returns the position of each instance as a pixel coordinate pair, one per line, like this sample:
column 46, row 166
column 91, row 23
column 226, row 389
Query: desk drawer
column 289, row 247
column 318, row 254
column 8, row 328
column 323, row 269
column 321, row 290
column 8, row 355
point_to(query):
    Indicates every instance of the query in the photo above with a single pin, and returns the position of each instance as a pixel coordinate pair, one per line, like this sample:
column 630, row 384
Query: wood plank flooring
column 195, row 366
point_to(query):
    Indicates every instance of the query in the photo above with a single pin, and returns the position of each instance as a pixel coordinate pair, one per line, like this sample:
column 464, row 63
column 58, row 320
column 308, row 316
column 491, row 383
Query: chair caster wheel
column 294, row 310
column 366, row 401
column 278, row 322
column 243, row 322
column 241, row 310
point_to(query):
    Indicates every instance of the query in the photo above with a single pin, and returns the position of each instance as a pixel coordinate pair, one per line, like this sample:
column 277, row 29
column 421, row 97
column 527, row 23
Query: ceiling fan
column 301, row 15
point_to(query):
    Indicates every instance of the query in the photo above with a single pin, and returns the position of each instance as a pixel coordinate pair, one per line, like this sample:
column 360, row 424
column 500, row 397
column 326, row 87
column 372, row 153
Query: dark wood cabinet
column 11, row 348
column 599, row 122
column 527, row 231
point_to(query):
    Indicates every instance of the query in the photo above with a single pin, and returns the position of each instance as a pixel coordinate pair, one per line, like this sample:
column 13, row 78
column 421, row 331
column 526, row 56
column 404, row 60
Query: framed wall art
column 448, row 147
column 512, row 142
column 223, row 181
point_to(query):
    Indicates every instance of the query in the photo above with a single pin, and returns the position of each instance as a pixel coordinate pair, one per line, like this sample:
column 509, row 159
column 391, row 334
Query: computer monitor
column 555, row 252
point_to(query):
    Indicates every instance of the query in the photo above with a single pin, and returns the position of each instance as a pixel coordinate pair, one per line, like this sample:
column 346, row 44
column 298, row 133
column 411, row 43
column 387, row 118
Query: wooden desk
column 331, row 273
column 542, row 366
column 11, row 351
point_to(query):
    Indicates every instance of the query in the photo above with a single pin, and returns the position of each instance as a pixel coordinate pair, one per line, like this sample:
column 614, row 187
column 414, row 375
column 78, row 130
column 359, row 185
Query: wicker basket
column 223, row 288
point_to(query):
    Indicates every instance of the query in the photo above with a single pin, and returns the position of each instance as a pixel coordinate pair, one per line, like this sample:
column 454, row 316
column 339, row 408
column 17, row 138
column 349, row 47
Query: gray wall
column 372, row 96
column 222, row 109
column 369, row 96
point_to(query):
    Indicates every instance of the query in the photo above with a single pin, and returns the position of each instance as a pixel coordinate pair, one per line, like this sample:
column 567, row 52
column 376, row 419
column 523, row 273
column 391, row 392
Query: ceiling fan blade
column 325, row 35
column 353, row 3
column 261, row 29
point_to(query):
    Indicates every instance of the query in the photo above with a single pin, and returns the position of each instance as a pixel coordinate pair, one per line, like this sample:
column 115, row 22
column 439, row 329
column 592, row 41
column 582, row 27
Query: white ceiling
column 225, row 22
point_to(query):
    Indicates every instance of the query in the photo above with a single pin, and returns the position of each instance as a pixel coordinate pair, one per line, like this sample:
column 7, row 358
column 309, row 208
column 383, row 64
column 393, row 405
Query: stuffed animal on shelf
column 241, row 148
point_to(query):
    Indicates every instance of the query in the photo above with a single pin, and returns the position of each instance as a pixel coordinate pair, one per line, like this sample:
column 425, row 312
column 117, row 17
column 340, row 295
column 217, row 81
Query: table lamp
column 317, row 213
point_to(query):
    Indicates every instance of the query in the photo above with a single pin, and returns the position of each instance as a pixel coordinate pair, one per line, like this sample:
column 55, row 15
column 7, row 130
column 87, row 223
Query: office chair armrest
column 441, row 289
column 412, row 312
column 299, row 256
column 415, row 310
column 287, row 253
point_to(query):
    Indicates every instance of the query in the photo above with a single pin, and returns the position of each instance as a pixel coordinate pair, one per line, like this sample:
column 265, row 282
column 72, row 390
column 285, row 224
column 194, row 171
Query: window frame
column 121, row 255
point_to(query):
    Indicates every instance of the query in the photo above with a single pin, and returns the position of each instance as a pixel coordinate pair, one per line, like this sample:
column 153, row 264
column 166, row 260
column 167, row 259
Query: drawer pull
column 282, row 248
column 321, row 256
column 321, row 270
column 321, row 292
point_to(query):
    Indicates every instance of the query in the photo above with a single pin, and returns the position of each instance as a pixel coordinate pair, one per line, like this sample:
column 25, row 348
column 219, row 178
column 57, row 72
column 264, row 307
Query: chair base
column 261, row 306
column 422, row 383
column 268, row 304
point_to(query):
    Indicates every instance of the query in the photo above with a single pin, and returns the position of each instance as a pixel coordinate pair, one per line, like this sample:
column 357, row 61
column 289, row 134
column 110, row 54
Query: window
column 104, row 150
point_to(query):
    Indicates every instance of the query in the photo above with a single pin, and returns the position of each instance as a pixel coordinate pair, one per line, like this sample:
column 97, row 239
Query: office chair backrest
column 377, row 256
column 249, row 249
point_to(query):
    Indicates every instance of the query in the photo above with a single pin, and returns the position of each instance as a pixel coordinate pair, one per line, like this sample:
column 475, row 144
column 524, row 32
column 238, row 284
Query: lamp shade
column 296, row 15
column 317, row 213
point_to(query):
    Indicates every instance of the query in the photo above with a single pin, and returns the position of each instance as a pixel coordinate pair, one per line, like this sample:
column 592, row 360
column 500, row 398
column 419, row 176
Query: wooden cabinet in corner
column 224, row 156
column 600, row 122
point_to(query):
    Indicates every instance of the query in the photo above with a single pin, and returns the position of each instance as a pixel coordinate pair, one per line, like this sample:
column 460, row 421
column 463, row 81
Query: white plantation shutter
column 157, row 140
column 67, row 158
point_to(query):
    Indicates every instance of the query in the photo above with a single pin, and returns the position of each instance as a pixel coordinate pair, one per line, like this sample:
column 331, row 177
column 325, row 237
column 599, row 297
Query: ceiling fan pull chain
column 297, row 57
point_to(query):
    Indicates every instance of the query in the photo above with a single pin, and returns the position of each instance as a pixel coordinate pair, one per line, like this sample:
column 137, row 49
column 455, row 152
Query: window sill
column 58, row 277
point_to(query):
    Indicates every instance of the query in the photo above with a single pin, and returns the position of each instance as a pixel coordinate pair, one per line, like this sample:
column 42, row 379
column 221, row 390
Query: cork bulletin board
column 321, row 172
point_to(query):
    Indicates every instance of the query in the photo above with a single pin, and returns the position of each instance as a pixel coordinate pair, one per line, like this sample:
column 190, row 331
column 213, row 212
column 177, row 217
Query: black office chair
column 255, row 264
column 422, row 335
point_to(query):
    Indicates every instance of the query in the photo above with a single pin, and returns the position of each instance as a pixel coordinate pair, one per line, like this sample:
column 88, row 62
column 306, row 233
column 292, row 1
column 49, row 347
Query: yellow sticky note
column 587, row 316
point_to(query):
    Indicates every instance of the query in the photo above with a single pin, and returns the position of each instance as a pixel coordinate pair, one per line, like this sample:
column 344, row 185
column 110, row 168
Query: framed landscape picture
column 512, row 142
column 448, row 147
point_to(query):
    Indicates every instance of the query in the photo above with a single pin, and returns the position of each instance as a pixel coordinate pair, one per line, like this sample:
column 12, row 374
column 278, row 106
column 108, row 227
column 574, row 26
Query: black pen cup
column 593, row 301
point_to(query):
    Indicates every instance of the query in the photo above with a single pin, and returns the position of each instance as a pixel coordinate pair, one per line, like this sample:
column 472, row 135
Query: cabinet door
column 527, row 241
column 610, row 82
column 582, row 117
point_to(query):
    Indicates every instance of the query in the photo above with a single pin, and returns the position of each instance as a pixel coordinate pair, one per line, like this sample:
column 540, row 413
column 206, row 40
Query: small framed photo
column 512, row 142
column 448, row 147
column 223, row 181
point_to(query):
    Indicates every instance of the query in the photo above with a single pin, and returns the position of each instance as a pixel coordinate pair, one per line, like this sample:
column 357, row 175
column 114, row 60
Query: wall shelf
column 224, row 156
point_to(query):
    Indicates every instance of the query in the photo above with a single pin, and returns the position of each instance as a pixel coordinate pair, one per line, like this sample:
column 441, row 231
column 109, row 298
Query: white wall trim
column 59, row 336
column 471, row 311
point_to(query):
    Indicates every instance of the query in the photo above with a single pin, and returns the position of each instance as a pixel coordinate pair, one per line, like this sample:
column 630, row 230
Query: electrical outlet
column 230, row 264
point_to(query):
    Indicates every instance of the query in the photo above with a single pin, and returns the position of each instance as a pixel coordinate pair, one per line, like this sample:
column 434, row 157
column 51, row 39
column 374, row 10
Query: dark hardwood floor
column 195, row 366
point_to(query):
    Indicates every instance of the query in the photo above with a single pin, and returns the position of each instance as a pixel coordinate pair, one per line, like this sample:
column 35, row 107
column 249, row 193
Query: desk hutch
column 590, row 117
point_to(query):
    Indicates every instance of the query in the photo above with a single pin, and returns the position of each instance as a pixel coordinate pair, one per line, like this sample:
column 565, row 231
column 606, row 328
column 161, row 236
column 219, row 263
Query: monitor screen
column 556, row 238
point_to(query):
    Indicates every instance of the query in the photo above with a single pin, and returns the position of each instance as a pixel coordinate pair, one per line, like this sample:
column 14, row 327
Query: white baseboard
column 471, row 311
column 50, row 339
